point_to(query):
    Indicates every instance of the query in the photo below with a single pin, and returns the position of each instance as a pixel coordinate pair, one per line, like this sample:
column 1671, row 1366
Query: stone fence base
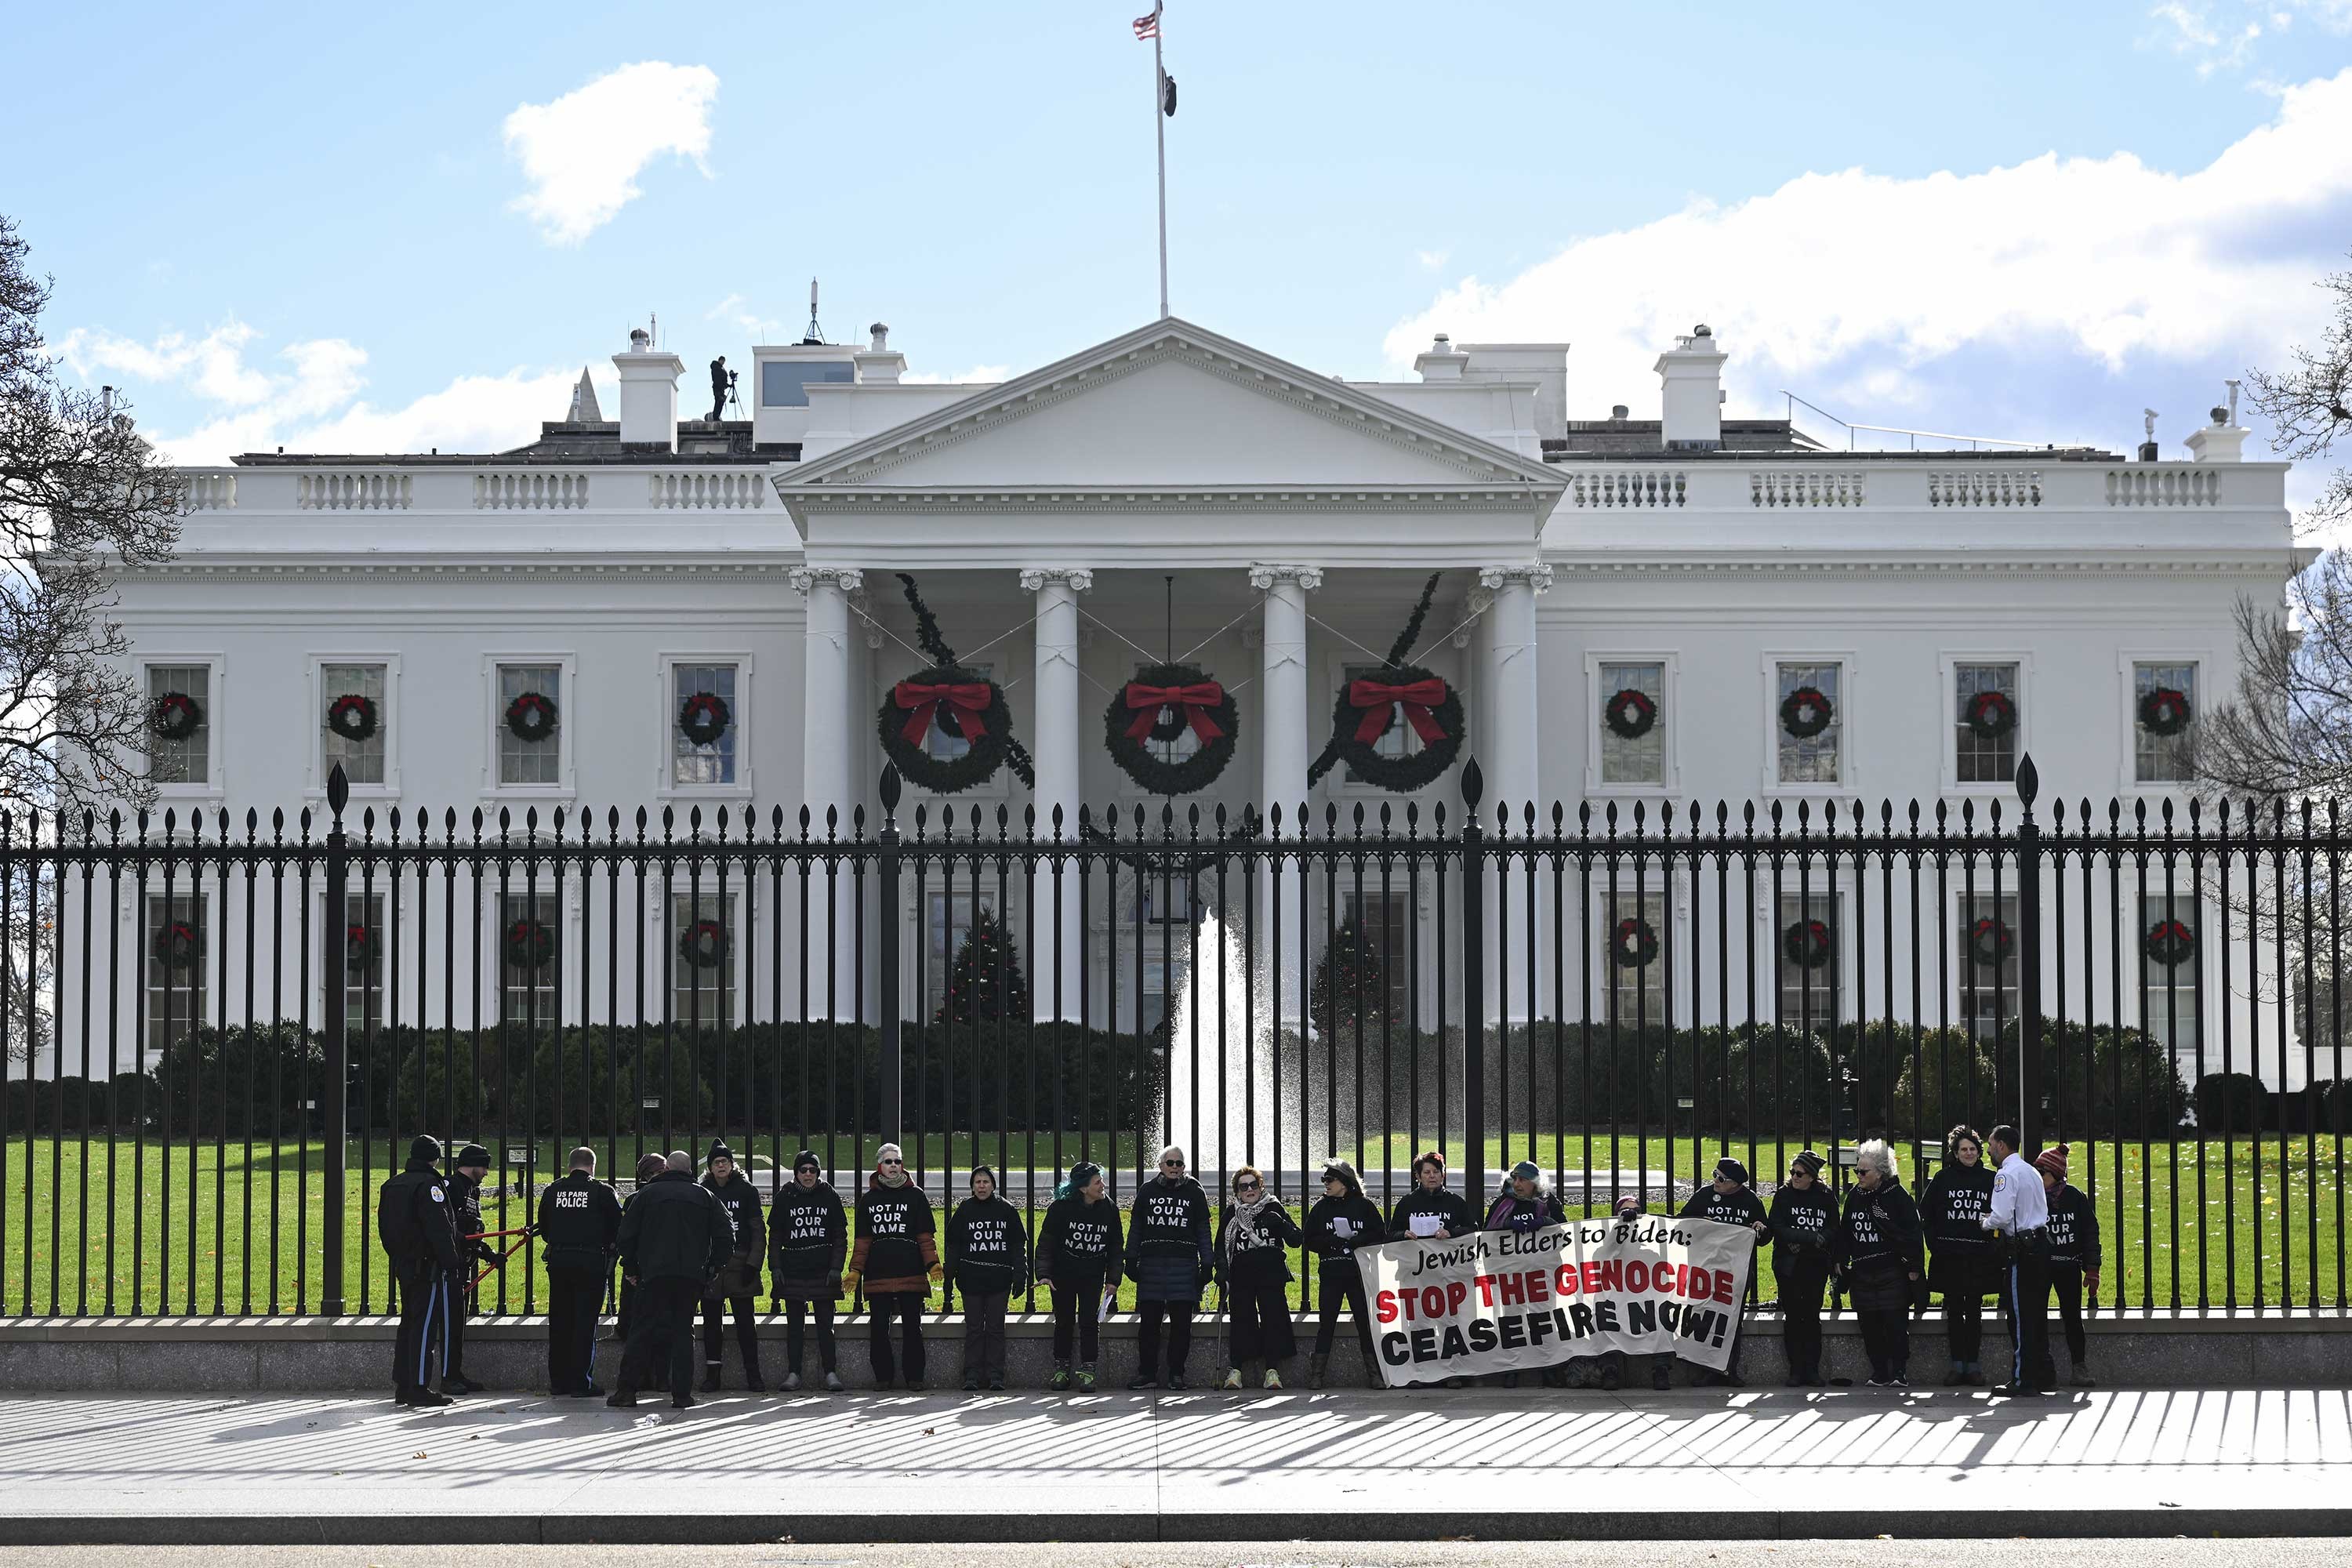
column 231, row 1355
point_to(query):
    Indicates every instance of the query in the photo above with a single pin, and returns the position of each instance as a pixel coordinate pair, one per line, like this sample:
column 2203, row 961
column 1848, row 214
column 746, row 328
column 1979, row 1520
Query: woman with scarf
column 1803, row 1215
column 1525, row 1204
column 898, row 1257
column 1876, row 1250
column 1254, row 1244
column 1961, row 1262
column 1342, row 1220
column 1170, row 1255
column 1078, row 1255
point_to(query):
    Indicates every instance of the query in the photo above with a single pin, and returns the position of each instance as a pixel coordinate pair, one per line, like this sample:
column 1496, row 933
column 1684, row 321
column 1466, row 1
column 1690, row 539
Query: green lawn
column 68, row 1234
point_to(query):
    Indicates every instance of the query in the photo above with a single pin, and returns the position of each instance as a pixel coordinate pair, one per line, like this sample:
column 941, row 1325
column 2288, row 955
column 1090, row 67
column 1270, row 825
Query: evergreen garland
column 1414, row 770
column 993, row 746
column 984, row 980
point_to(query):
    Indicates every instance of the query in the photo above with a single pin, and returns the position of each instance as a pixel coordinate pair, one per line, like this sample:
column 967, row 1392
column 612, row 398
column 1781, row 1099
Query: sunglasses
column 1171, row 1164
column 899, row 1163
column 1245, row 1186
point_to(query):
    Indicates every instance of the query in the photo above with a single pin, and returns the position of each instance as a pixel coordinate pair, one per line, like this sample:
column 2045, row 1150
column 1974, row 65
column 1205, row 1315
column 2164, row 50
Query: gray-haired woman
column 1169, row 1257
column 1877, row 1253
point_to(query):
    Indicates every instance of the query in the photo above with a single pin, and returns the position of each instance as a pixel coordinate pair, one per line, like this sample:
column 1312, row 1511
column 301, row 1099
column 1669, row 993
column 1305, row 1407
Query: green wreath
column 1807, row 711
column 2169, row 943
column 704, row 718
column 1128, row 727
column 1635, row 943
column 1629, row 714
column 353, row 716
column 177, row 715
column 179, row 946
column 2164, row 711
column 529, row 944
column 703, row 944
column 960, row 702
column 1990, row 941
column 1991, row 715
column 1807, row 943
column 1367, row 708
column 532, row 717
column 361, row 945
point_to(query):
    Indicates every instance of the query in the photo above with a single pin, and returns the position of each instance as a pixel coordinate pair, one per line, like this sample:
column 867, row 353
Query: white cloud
column 979, row 373
column 1850, row 283
column 1433, row 259
column 2220, row 35
column 736, row 310
column 309, row 396
column 582, row 154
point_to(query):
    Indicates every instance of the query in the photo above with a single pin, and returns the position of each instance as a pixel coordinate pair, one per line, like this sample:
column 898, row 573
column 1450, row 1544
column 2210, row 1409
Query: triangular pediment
column 1169, row 405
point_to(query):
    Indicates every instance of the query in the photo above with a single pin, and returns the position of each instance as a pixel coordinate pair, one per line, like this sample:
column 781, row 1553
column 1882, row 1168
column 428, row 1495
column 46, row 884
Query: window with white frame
column 1632, row 723
column 702, row 970
column 1151, row 1005
column 2168, row 943
column 947, row 927
column 1987, row 707
column 1809, row 951
column 529, row 939
column 706, row 721
column 1987, row 964
column 2164, row 720
column 531, row 753
column 352, row 719
column 180, row 723
column 178, row 947
column 1166, row 896
column 1380, row 918
column 1809, row 722
column 1400, row 739
column 363, row 960
column 948, row 744
column 1633, row 924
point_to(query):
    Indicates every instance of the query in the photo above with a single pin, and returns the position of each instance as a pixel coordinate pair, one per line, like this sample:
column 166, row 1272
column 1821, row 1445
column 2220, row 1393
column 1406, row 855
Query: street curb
column 645, row 1530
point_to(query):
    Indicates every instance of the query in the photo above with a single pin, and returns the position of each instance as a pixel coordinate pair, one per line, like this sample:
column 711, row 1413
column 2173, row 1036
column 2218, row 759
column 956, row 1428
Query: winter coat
column 1080, row 1243
column 988, row 1247
column 579, row 1221
column 740, row 1278
column 1336, row 1227
column 895, row 1248
column 1802, row 1224
column 1511, row 1212
column 1252, row 1256
column 674, row 1229
column 808, row 1242
column 1960, row 1261
column 413, row 1220
column 1170, row 1251
column 1740, row 1209
column 1877, row 1247
column 466, row 1214
column 1447, row 1205
column 2075, row 1231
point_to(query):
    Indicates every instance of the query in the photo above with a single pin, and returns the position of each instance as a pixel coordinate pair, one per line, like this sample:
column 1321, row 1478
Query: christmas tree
column 1348, row 977
column 984, row 982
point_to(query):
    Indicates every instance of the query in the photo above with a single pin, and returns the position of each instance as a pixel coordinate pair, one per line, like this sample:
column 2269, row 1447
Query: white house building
column 618, row 568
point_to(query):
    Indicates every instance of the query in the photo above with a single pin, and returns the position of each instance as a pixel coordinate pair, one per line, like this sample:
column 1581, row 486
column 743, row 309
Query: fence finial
column 891, row 786
column 1473, row 783
column 2029, row 782
column 339, row 789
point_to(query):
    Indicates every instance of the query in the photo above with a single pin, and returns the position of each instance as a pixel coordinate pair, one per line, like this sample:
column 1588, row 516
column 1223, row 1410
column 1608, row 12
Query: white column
column 1286, row 745
column 1054, row 746
column 1508, row 674
column 826, row 782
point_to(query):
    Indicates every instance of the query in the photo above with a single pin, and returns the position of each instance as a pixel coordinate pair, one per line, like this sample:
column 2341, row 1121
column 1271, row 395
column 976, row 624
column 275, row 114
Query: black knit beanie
column 424, row 1149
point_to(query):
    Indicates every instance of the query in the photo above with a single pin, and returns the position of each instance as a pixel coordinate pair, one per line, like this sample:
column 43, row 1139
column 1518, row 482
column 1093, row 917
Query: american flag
column 1147, row 27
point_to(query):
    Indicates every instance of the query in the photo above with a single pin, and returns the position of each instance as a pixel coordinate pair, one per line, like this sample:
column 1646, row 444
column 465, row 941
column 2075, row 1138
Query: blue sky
column 331, row 225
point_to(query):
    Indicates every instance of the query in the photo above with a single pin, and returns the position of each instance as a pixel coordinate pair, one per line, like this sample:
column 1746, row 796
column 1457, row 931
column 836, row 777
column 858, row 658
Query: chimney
column 1443, row 361
column 879, row 365
column 648, row 393
column 2223, row 441
column 1691, row 376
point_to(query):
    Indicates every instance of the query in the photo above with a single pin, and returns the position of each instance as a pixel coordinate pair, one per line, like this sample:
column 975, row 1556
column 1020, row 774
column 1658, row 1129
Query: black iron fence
column 222, row 1033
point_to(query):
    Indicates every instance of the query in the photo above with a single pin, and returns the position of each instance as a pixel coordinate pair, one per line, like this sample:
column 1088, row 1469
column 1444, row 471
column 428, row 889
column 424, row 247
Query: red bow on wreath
column 1146, row 701
column 1376, row 697
column 969, row 698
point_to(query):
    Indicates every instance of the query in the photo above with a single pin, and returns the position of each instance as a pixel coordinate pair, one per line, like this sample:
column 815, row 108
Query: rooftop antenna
column 654, row 320
column 815, row 333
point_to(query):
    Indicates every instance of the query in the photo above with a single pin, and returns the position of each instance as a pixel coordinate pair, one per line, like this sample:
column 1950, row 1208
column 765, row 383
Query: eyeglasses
column 1245, row 1186
column 899, row 1163
column 1171, row 1164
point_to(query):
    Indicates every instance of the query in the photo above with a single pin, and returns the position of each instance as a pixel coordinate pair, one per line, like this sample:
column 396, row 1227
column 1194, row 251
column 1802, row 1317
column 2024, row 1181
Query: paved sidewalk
column 1197, row 1466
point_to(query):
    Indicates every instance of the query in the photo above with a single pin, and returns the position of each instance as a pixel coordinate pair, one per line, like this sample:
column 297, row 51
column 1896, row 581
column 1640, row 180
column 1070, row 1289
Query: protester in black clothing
column 1728, row 1200
column 1254, row 1235
column 465, row 1213
column 1432, row 1211
column 648, row 1167
column 735, row 1284
column 1169, row 1257
column 1876, row 1251
column 1960, row 1251
column 1525, row 1204
column 413, row 1223
column 579, row 1225
column 1613, row 1362
column 1802, row 1218
column 1342, row 1220
column 674, row 1236
column 1079, row 1251
column 897, row 1254
column 987, row 1260
column 808, row 1243
column 2075, row 1257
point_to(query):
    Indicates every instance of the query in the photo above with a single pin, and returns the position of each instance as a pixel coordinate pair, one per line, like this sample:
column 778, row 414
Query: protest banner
column 1498, row 1300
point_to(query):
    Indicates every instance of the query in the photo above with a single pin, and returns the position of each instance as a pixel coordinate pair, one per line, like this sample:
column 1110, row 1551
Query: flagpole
column 1159, row 135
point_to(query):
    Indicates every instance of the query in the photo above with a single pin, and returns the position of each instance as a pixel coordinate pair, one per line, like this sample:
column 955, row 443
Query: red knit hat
column 2052, row 1160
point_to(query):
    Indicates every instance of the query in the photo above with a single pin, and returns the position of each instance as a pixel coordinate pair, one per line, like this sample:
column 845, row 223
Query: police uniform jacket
column 412, row 1219
column 808, row 1242
column 1080, row 1243
column 673, row 1229
column 579, row 1221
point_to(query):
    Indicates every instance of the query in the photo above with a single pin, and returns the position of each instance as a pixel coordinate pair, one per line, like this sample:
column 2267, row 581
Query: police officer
column 674, row 1236
column 413, row 1223
column 580, row 1224
column 2019, row 1220
column 466, row 1211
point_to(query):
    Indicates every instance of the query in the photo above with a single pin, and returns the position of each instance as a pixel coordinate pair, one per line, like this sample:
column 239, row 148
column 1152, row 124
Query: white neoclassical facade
column 1173, row 490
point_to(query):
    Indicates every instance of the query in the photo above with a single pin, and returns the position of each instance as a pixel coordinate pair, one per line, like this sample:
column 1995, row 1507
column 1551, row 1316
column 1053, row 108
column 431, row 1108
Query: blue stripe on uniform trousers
column 2017, row 1331
column 424, row 1333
